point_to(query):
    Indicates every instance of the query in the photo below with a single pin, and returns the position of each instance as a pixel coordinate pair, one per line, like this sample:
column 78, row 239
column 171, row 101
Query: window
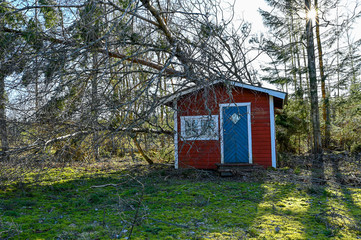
column 199, row 127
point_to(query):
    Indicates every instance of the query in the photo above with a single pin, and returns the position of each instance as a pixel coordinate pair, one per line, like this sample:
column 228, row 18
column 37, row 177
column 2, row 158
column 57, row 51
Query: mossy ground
column 161, row 203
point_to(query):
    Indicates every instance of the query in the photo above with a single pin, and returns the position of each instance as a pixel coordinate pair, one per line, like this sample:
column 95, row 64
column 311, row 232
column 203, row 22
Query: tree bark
column 3, row 127
column 94, row 104
column 298, row 57
column 162, row 24
column 300, row 88
column 325, row 101
column 315, row 118
column 146, row 158
column 293, row 47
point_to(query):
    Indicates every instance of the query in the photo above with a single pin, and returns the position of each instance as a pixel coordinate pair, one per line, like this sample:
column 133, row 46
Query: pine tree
column 315, row 119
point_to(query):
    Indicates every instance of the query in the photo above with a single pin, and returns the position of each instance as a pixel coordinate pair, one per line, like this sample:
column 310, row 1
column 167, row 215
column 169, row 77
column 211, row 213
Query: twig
column 137, row 210
column 106, row 185
column 112, row 184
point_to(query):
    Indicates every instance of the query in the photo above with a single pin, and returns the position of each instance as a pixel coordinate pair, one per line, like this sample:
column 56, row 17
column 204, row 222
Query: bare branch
column 104, row 51
column 45, row 6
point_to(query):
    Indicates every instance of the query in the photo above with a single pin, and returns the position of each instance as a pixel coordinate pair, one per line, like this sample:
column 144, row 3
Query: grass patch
column 161, row 203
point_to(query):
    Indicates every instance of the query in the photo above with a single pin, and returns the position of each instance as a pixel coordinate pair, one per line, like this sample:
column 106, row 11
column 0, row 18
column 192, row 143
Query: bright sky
column 248, row 10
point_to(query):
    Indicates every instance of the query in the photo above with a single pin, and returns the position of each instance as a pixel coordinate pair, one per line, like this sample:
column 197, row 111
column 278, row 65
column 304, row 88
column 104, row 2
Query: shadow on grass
column 68, row 210
column 162, row 203
column 277, row 218
column 353, row 215
column 169, row 205
column 317, row 225
column 209, row 207
column 332, row 211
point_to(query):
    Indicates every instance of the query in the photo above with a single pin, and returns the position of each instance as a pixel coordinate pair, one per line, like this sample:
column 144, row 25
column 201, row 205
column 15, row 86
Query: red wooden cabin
column 225, row 123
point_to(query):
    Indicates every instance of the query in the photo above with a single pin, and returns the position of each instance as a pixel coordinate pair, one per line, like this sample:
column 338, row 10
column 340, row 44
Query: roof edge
column 168, row 100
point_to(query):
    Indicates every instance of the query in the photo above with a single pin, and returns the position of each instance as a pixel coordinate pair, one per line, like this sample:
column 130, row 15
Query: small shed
column 224, row 122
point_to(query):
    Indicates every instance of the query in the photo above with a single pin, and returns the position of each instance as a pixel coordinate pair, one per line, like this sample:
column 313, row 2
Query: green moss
column 61, row 203
column 11, row 213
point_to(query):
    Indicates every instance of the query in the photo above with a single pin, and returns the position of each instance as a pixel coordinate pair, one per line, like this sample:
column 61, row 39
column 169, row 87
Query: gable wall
column 205, row 154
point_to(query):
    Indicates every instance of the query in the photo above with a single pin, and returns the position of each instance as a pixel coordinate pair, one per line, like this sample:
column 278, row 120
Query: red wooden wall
column 204, row 154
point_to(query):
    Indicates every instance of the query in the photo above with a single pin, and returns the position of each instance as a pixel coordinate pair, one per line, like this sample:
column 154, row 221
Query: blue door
column 235, row 134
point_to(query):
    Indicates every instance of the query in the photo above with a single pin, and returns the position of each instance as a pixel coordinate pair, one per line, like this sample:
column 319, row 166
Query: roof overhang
column 278, row 95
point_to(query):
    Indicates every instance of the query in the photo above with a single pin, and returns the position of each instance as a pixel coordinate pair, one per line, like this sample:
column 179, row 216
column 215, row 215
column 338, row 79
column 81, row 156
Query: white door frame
column 273, row 131
column 248, row 105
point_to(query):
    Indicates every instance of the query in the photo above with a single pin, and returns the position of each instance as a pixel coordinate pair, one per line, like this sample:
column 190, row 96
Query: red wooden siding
column 206, row 153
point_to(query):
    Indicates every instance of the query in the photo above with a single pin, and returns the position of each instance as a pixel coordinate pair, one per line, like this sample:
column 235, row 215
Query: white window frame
column 248, row 105
column 199, row 136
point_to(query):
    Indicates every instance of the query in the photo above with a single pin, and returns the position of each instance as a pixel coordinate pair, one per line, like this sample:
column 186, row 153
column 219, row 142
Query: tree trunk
column 315, row 118
column 338, row 54
column 300, row 88
column 293, row 48
column 36, row 68
column 94, row 105
column 307, row 91
column 351, row 58
column 325, row 101
column 146, row 158
column 297, row 40
column 3, row 128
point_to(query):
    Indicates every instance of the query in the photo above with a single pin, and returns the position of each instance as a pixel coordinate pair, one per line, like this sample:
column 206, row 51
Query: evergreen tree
column 92, row 68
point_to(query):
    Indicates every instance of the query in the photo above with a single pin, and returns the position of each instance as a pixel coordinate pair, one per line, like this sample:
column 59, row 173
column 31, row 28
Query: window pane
column 191, row 127
column 200, row 127
column 208, row 127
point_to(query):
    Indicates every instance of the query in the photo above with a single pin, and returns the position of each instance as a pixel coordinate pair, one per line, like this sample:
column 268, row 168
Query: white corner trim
column 273, row 131
column 249, row 133
column 175, row 135
column 248, row 105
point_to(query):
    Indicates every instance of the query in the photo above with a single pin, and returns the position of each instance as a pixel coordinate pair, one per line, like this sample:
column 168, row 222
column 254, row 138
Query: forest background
column 83, row 80
column 87, row 145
